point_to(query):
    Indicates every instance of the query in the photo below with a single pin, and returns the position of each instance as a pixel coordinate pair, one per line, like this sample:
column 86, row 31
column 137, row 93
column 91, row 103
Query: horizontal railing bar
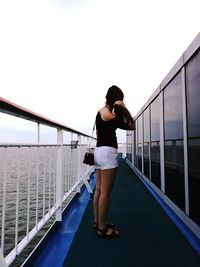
column 13, row 109
column 35, row 145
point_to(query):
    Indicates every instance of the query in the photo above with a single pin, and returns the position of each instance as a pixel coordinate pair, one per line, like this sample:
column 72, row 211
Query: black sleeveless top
column 107, row 130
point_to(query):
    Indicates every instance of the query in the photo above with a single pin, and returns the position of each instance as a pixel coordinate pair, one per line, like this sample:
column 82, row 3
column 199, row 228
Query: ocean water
column 30, row 171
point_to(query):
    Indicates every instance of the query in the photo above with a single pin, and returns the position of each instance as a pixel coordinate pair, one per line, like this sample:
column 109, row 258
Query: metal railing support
column 59, row 175
column 2, row 260
column 78, row 163
column 84, row 178
column 38, row 133
column 4, row 202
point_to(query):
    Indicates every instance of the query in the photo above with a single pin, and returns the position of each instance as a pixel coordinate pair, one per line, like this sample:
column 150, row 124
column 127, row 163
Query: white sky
column 58, row 57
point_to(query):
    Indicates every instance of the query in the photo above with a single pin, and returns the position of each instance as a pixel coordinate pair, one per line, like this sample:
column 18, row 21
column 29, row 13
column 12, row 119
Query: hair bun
column 114, row 94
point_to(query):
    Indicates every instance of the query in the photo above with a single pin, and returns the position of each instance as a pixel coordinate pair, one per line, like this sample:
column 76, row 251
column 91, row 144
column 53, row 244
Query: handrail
column 13, row 109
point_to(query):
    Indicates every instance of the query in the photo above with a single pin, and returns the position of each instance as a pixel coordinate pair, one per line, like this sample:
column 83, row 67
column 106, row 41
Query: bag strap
column 93, row 128
column 89, row 146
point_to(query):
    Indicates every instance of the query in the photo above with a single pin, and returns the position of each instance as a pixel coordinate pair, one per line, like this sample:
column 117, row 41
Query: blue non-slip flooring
column 148, row 237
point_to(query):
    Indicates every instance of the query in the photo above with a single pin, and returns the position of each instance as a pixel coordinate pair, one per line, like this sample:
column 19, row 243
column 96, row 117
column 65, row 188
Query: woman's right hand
column 120, row 103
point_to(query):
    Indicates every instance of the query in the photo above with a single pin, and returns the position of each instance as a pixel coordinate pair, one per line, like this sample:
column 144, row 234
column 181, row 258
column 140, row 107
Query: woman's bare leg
column 107, row 180
column 96, row 196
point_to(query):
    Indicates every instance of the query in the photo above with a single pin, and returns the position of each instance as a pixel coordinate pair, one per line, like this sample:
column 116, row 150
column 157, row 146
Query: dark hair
column 114, row 94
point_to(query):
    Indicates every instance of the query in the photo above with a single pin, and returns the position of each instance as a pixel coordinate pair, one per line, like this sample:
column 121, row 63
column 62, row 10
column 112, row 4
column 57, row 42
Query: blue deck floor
column 148, row 237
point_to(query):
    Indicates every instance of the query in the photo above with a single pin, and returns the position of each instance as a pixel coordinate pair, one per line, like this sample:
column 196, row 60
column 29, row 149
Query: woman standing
column 110, row 117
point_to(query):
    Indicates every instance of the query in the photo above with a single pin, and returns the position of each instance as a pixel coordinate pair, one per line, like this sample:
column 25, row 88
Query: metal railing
column 37, row 180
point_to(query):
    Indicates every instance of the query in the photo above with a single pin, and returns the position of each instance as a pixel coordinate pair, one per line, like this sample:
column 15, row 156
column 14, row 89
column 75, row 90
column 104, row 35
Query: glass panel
column 193, row 110
column 155, row 120
column 146, row 159
column 155, row 142
column 174, row 153
column 146, row 126
column 140, row 129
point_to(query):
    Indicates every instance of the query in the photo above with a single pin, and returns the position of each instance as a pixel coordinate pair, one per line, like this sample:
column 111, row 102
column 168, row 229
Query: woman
column 110, row 117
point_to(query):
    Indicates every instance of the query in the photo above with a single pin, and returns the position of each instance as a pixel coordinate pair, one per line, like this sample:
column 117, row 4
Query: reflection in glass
column 146, row 143
column 146, row 126
column 136, row 138
column 155, row 120
column 194, row 178
column 129, row 145
column 155, row 142
column 193, row 111
column 174, row 172
column 146, row 159
column 140, row 129
column 155, row 163
column 139, row 157
column 173, row 111
column 174, row 152
column 139, row 143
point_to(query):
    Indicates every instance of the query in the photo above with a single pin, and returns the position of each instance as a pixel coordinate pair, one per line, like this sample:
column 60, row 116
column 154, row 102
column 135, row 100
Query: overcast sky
column 58, row 57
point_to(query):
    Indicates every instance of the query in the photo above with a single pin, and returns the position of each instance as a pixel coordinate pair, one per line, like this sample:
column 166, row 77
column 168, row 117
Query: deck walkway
column 148, row 237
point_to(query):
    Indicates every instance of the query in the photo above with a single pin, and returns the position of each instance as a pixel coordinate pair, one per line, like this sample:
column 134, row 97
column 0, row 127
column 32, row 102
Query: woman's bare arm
column 127, row 116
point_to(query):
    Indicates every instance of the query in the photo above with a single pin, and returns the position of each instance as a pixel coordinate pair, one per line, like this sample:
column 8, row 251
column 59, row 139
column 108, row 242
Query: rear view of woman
column 110, row 117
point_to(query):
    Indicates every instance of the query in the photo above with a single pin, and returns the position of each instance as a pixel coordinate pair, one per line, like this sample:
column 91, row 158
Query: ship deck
column 148, row 237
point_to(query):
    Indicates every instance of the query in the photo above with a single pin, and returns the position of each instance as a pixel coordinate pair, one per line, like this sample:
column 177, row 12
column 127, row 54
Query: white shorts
column 105, row 157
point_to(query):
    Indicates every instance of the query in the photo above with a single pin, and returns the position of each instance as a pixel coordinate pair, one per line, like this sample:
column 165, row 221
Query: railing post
column 4, row 201
column 124, row 150
column 133, row 147
column 38, row 133
column 59, row 175
column 142, row 143
column 150, row 143
column 162, row 144
column 79, row 163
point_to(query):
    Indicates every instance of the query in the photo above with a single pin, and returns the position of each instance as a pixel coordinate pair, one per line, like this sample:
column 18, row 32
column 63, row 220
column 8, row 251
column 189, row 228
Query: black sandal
column 104, row 233
column 108, row 225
